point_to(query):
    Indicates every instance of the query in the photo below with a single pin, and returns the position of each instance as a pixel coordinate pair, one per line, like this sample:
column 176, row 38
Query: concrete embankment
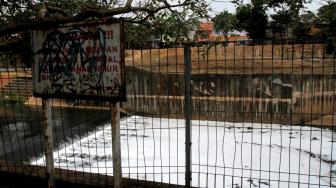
column 277, row 98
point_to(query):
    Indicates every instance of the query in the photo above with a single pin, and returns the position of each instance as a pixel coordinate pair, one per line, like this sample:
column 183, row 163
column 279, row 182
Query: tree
column 303, row 26
column 135, row 38
column 292, row 6
column 225, row 22
column 175, row 28
column 20, row 16
column 252, row 18
column 168, row 27
column 280, row 23
column 327, row 18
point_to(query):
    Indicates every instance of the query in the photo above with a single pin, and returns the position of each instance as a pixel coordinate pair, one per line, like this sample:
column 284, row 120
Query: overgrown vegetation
column 11, row 99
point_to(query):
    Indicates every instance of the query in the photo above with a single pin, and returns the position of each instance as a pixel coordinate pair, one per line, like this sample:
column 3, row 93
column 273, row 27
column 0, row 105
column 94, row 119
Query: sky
column 218, row 6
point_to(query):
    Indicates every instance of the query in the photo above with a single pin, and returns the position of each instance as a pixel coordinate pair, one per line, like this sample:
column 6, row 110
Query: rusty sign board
column 80, row 61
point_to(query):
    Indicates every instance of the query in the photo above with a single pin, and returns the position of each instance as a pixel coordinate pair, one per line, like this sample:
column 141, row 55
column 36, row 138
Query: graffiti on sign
column 79, row 62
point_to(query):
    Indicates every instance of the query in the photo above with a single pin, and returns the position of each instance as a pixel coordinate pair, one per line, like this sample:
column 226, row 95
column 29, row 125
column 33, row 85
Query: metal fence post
column 48, row 142
column 187, row 114
column 116, row 148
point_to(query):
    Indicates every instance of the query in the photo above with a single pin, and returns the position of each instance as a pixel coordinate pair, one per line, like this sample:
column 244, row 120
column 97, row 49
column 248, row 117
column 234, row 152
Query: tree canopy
column 171, row 20
column 21, row 15
column 327, row 18
column 225, row 22
column 252, row 18
column 143, row 19
column 280, row 23
column 280, row 18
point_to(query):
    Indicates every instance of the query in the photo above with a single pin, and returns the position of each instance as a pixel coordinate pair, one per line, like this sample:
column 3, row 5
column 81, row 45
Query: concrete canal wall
column 277, row 98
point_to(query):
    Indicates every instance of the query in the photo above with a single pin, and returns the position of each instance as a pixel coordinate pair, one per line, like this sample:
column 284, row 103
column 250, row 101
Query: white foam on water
column 224, row 154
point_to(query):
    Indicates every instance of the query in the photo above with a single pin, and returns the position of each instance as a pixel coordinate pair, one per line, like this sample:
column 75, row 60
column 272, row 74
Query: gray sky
column 218, row 6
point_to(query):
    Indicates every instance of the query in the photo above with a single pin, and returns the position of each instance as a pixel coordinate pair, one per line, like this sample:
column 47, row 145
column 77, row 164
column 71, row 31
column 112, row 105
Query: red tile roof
column 234, row 38
column 206, row 26
column 209, row 27
column 222, row 38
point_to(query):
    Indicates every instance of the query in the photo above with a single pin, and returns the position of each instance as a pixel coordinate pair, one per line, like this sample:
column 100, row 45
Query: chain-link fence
column 262, row 114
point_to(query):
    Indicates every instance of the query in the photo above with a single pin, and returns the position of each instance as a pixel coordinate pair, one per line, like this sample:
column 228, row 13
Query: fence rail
column 258, row 115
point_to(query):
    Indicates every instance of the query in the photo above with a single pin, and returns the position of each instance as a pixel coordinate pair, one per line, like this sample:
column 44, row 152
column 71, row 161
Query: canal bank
column 21, row 128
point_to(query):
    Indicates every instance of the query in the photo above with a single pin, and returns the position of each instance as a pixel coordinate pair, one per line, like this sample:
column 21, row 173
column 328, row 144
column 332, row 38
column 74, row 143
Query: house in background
column 239, row 40
column 207, row 33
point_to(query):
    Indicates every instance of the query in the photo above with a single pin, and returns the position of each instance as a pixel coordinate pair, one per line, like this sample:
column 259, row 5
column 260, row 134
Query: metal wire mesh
column 262, row 115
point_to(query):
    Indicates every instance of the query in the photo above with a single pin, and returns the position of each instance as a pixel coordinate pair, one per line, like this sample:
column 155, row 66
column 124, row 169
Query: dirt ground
column 262, row 59
column 7, row 76
column 327, row 120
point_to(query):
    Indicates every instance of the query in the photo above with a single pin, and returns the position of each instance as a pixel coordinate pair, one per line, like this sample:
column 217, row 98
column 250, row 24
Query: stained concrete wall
column 277, row 98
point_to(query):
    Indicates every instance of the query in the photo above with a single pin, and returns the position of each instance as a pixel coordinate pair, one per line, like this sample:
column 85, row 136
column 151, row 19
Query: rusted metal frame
column 187, row 114
column 116, row 148
column 48, row 142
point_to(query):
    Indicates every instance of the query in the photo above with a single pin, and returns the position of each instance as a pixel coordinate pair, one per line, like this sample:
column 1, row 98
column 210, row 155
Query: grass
column 11, row 99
